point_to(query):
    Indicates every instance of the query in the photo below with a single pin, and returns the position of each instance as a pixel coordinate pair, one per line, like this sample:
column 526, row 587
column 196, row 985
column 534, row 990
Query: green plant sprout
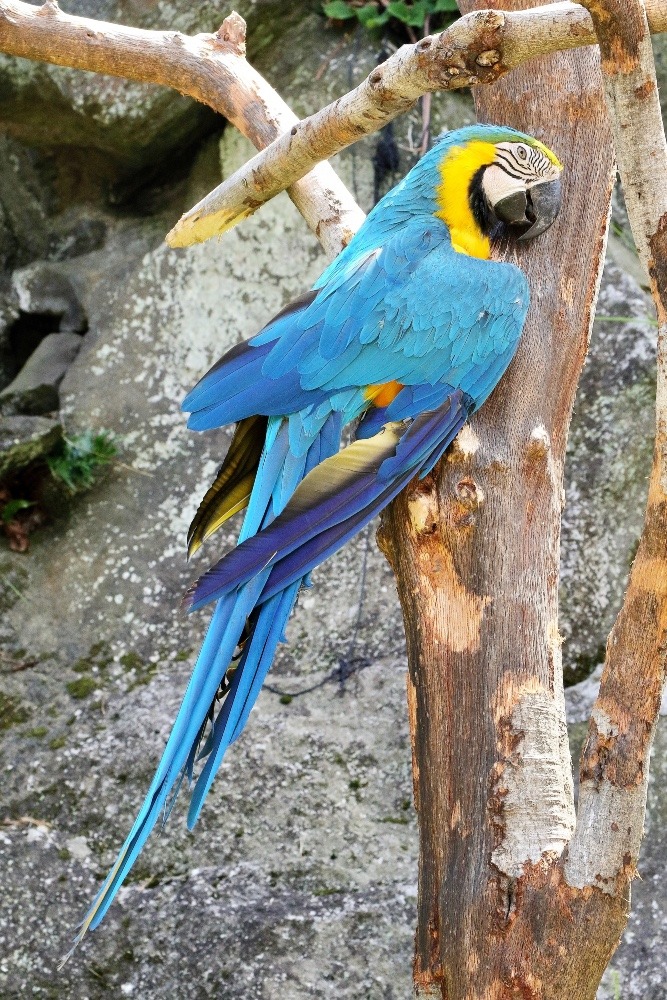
column 78, row 459
column 421, row 14
column 11, row 509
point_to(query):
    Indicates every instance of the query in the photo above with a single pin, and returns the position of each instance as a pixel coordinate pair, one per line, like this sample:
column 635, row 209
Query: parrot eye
column 522, row 152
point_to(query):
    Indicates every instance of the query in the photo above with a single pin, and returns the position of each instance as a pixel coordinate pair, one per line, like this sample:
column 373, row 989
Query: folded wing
column 334, row 501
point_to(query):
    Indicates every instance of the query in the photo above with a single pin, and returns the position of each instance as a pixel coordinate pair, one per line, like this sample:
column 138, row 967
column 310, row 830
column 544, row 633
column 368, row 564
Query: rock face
column 317, row 827
column 608, row 463
column 301, row 875
column 123, row 125
column 35, row 388
column 43, row 289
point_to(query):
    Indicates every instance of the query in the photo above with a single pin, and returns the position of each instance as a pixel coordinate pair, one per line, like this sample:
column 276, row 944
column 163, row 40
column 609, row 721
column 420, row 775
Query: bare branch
column 614, row 766
column 478, row 48
column 209, row 67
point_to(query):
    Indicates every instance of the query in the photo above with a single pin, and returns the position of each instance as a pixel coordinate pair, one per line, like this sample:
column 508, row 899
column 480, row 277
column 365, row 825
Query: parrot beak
column 544, row 201
column 537, row 207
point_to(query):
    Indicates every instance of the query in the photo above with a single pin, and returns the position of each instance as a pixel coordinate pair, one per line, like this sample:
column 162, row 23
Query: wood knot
column 492, row 19
column 375, row 78
column 469, row 493
column 645, row 90
column 423, row 508
column 539, row 444
column 466, row 444
column 232, row 32
column 488, row 58
column 424, row 44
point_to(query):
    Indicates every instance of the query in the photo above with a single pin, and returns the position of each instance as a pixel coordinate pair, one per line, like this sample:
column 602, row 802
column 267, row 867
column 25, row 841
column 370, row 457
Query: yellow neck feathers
column 457, row 170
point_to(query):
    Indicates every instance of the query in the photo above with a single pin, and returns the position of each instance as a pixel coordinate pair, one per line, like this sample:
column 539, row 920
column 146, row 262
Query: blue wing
column 414, row 312
column 334, row 501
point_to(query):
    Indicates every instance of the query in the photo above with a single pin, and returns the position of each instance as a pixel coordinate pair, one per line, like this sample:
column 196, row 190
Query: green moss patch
column 37, row 733
column 12, row 712
column 131, row 661
column 142, row 672
column 82, row 687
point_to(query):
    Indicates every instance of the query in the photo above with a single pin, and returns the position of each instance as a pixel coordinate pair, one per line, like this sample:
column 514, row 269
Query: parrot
column 403, row 337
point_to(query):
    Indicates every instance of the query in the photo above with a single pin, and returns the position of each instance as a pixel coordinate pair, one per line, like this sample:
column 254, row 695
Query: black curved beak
column 536, row 208
column 545, row 199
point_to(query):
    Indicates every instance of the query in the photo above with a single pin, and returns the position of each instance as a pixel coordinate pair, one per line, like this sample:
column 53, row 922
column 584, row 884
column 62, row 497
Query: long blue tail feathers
column 278, row 474
column 334, row 494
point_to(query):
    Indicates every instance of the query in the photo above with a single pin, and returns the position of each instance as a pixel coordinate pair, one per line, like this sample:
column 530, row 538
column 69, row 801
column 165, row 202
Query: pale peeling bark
column 479, row 48
column 535, row 783
column 615, row 762
column 209, row 67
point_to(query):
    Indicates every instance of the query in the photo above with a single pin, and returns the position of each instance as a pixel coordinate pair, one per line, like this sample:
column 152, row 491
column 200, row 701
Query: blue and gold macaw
column 406, row 332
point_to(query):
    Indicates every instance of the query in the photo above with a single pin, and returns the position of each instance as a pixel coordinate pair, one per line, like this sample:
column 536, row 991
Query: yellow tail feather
column 233, row 484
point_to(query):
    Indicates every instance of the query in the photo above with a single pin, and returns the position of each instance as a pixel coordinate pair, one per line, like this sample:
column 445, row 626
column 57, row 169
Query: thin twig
column 9, row 823
column 21, row 666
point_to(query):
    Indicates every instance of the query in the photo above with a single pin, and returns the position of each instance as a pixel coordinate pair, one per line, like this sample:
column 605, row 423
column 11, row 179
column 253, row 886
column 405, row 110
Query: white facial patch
column 497, row 184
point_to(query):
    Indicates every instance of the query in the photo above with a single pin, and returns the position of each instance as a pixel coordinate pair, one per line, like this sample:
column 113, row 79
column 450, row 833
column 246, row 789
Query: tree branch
column 211, row 68
column 614, row 765
column 478, row 48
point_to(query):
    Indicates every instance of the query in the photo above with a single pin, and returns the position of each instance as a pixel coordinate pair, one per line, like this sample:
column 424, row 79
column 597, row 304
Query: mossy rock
column 122, row 123
column 24, row 440
column 82, row 687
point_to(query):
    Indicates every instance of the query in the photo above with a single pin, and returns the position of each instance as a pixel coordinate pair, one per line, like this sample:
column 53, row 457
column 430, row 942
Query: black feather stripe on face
column 479, row 206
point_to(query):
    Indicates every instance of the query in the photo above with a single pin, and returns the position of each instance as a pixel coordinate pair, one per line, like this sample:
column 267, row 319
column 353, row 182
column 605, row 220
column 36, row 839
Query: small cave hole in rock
column 26, row 334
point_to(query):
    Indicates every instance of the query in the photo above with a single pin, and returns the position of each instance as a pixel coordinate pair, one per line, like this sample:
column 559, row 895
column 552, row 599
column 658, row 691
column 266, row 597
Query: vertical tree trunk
column 475, row 548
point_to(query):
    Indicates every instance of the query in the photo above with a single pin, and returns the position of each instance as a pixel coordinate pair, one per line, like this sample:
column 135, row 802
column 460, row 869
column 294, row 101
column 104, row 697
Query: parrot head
column 521, row 187
column 490, row 178
column 482, row 179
